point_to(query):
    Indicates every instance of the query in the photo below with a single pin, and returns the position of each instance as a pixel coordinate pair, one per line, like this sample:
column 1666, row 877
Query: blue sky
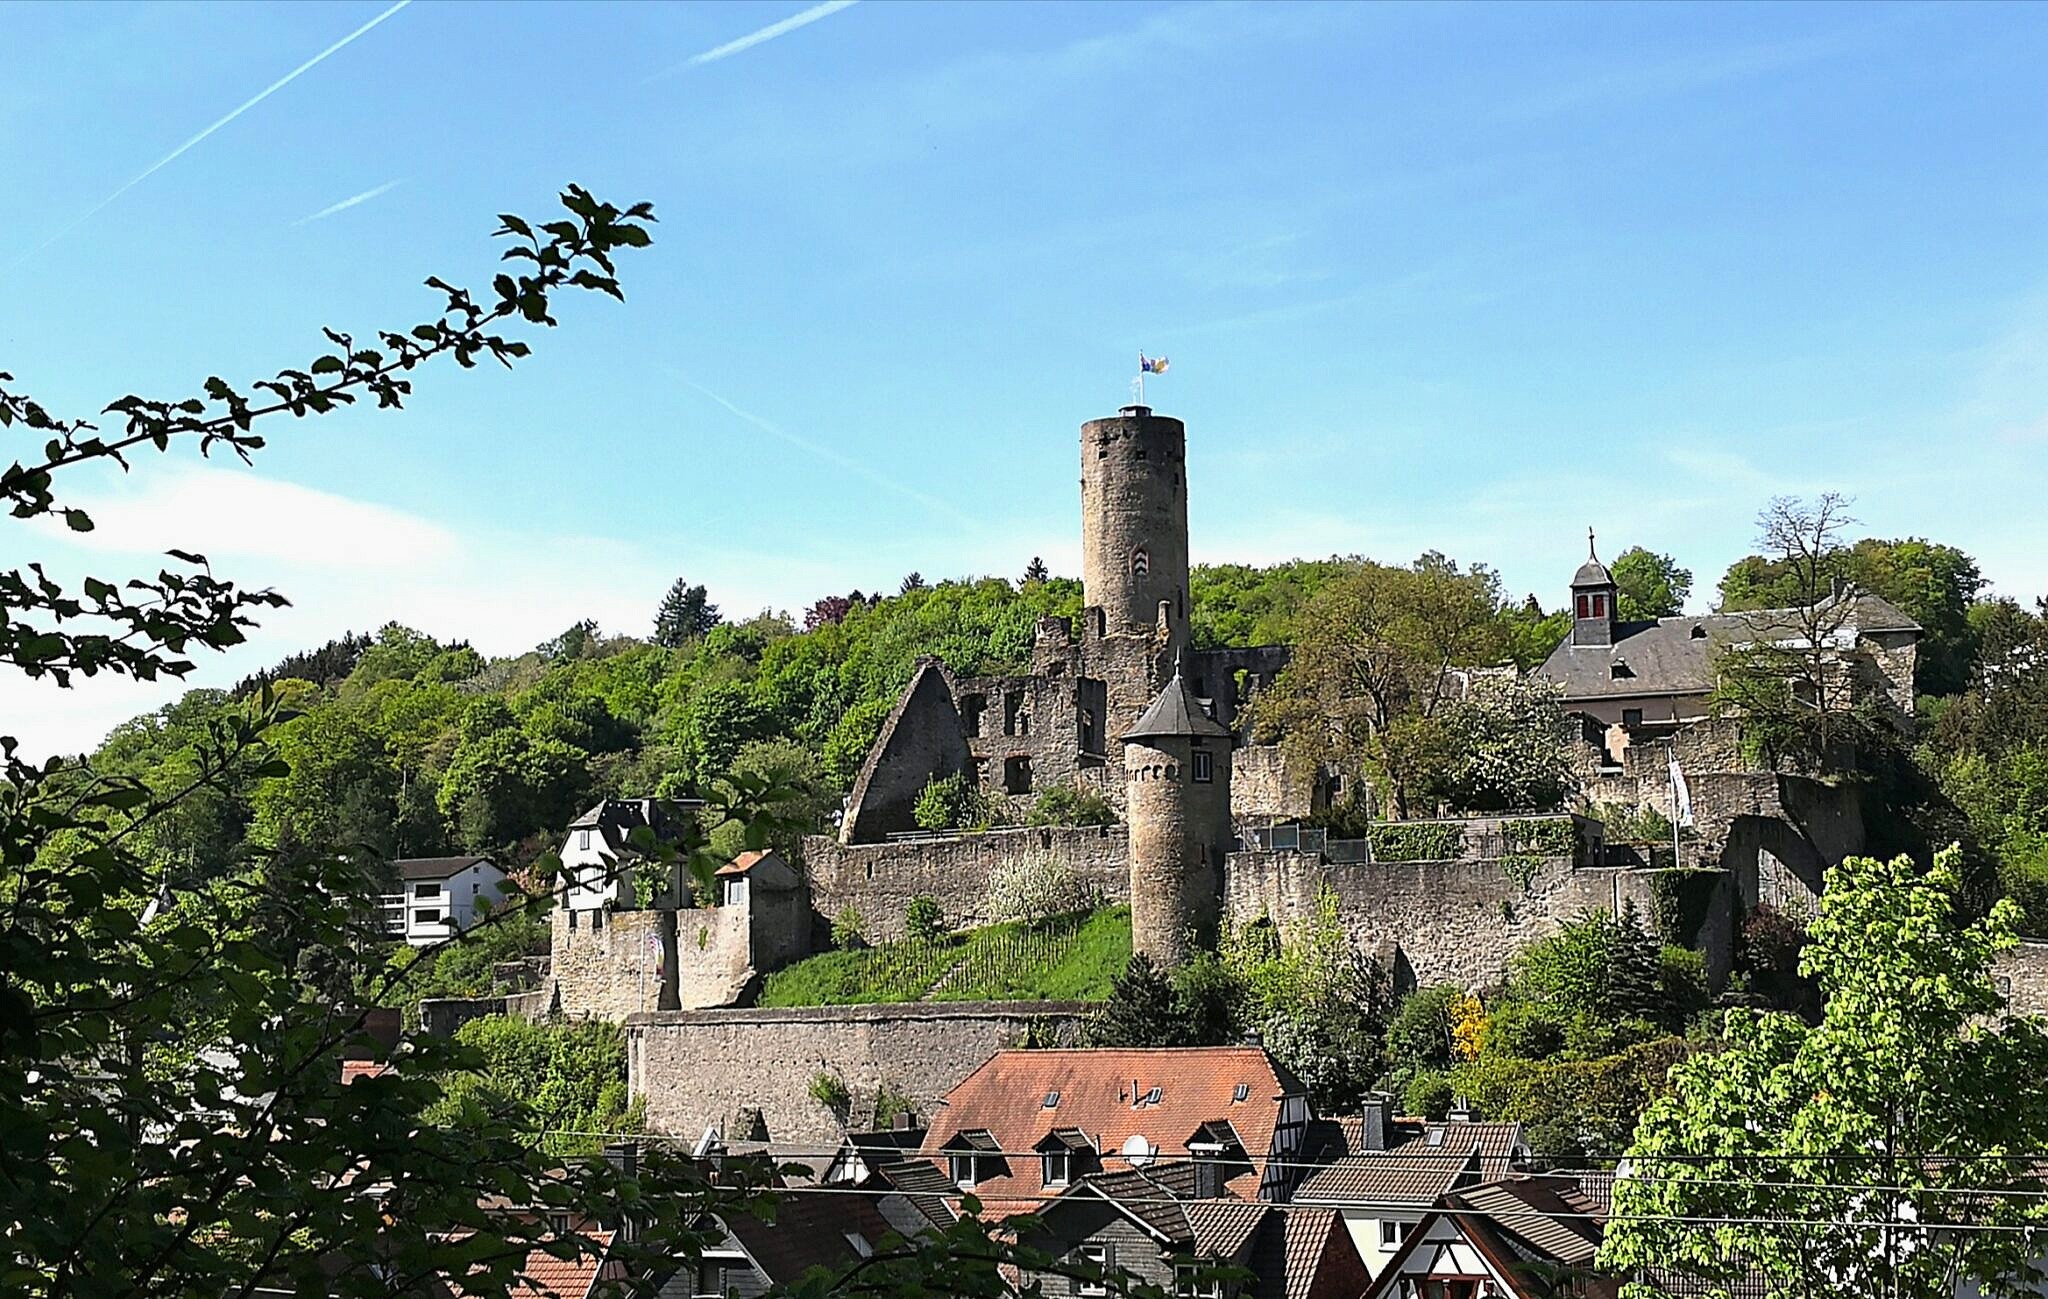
column 1462, row 278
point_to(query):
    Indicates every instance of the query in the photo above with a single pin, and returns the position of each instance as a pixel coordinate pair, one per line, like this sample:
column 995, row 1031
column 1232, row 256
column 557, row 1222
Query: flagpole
column 1672, row 750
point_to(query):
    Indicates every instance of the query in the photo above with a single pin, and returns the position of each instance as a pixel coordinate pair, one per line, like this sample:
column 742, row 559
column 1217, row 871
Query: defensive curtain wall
column 749, row 1072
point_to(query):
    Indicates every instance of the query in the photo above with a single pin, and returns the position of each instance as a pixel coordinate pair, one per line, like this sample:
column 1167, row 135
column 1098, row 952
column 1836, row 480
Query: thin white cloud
column 846, row 462
column 348, row 203
column 186, row 147
column 760, row 37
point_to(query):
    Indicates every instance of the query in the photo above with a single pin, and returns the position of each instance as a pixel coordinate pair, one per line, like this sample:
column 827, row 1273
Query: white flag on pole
column 1681, row 796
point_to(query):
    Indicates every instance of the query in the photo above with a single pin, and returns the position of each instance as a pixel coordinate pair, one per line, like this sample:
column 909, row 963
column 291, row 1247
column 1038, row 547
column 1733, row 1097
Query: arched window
column 1141, row 563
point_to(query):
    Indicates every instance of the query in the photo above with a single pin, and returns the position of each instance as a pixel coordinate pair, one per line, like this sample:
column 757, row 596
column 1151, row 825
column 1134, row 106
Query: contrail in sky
column 765, row 34
column 845, row 462
column 184, row 148
column 348, row 203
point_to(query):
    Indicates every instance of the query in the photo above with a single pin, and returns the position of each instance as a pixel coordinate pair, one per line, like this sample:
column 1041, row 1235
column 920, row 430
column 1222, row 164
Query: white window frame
column 1063, row 1159
column 1186, row 1287
column 1104, row 1257
column 1205, row 766
column 964, row 1171
column 1392, row 1232
column 427, row 889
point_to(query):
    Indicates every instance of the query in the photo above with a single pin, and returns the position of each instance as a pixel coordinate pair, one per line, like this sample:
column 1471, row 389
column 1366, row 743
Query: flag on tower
column 1151, row 364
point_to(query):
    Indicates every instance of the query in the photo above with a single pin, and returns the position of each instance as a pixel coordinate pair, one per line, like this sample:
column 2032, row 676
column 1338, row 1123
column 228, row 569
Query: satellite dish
column 1139, row 1152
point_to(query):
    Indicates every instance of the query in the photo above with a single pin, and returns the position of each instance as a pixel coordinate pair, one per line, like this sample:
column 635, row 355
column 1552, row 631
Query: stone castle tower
column 1177, row 801
column 1134, row 524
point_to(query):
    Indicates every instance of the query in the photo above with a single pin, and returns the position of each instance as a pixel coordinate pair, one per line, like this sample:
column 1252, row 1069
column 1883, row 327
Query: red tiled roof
column 1307, row 1254
column 745, row 862
column 1097, row 1087
column 544, row 1276
column 351, row 1070
column 1222, row 1227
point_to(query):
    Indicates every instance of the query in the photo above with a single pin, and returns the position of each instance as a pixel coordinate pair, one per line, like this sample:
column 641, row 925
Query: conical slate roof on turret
column 1592, row 572
column 1174, row 712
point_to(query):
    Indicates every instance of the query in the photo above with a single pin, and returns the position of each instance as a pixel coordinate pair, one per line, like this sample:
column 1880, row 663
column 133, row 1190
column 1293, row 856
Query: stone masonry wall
column 880, row 879
column 713, row 965
column 1457, row 921
column 1260, row 787
column 2022, row 975
column 609, row 968
column 698, row 1068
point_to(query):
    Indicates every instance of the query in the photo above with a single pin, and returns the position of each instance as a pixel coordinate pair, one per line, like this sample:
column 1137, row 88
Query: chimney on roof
column 1372, row 1133
column 624, row 1156
column 1461, row 1109
column 903, row 1120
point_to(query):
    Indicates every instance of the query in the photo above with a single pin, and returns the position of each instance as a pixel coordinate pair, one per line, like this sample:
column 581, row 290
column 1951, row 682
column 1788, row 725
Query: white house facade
column 439, row 897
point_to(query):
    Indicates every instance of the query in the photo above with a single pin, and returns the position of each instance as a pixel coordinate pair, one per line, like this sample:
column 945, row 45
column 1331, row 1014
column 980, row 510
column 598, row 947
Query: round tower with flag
column 1134, row 523
column 1177, row 802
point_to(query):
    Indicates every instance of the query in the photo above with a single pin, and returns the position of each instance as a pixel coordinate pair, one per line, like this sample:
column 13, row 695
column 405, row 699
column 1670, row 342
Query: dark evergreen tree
column 1141, row 1010
column 1036, row 571
column 686, row 613
column 915, row 582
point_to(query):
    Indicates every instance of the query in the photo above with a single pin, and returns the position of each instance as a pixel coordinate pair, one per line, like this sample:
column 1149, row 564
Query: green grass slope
column 1065, row 958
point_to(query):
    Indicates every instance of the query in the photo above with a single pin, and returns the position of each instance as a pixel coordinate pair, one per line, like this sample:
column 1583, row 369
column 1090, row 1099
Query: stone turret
column 1593, row 597
column 1134, row 523
column 1177, row 800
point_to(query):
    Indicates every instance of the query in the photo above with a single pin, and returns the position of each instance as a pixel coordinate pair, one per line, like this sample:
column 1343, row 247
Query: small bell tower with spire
column 1593, row 596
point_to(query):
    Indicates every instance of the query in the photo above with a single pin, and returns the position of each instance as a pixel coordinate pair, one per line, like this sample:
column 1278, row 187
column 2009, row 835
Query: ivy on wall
column 1416, row 841
column 1542, row 836
column 1679, row 901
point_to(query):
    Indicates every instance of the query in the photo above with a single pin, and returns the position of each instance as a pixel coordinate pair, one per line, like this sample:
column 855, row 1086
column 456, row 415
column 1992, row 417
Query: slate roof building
column 1147, row 1222
column 438, row 897
column 1526, row 1236
column 1660, row 671
column 1386, row 1174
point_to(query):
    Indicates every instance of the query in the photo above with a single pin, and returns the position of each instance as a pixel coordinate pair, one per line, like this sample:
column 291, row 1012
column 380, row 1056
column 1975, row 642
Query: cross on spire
column 1590, row 552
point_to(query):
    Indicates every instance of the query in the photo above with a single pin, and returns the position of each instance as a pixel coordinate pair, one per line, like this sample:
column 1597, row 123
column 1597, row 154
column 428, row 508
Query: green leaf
column 78, row 520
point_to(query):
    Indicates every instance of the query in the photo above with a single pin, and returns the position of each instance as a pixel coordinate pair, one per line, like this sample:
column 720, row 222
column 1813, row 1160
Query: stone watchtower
column 1134, row 523
column 1177, row 801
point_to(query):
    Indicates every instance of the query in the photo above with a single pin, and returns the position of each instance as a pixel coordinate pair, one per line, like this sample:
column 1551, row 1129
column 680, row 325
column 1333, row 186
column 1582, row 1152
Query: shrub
column 1419, row 1038
column 1526, row 1031
column 1036, row 888
column 947, row 803
column 923, row 920
column 1629, row 823
column 829, row 1090
column 1429, row 1094
column 889, row 1103
column 1071, row 805
column 849, row 929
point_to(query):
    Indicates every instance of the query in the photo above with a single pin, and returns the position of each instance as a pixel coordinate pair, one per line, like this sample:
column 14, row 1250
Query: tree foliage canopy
column 1817, row 1158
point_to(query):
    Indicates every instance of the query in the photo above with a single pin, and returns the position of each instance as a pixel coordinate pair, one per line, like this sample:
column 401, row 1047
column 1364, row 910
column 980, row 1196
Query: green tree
column 1781, row 676
column 686, row 614
column 1139, row 1011
column 506, row 785
column 1649, row 585
column 1508, row 746
column 1370, row 672
column 341, row 790
column 1814, row 1156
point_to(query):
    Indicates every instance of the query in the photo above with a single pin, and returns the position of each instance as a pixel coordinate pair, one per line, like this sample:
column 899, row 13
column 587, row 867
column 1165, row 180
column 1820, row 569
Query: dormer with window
column 1593, row 599
column 1065, row 1155
column 972, row 1157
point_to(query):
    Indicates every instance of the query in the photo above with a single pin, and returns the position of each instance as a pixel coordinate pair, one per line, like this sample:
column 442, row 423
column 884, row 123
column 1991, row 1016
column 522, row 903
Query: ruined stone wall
column 698, row 1068
column 441, row 1016
column 880, row 879
column 1213, row 675
column 1457, row 921
column 1894, row 655
column 608, row 966
column 1261, row 789
column 714, row 964
column 921, row 738
column 2022, row 975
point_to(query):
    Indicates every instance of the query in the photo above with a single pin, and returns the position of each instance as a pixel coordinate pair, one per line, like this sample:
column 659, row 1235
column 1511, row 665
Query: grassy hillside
column 1066, row 958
